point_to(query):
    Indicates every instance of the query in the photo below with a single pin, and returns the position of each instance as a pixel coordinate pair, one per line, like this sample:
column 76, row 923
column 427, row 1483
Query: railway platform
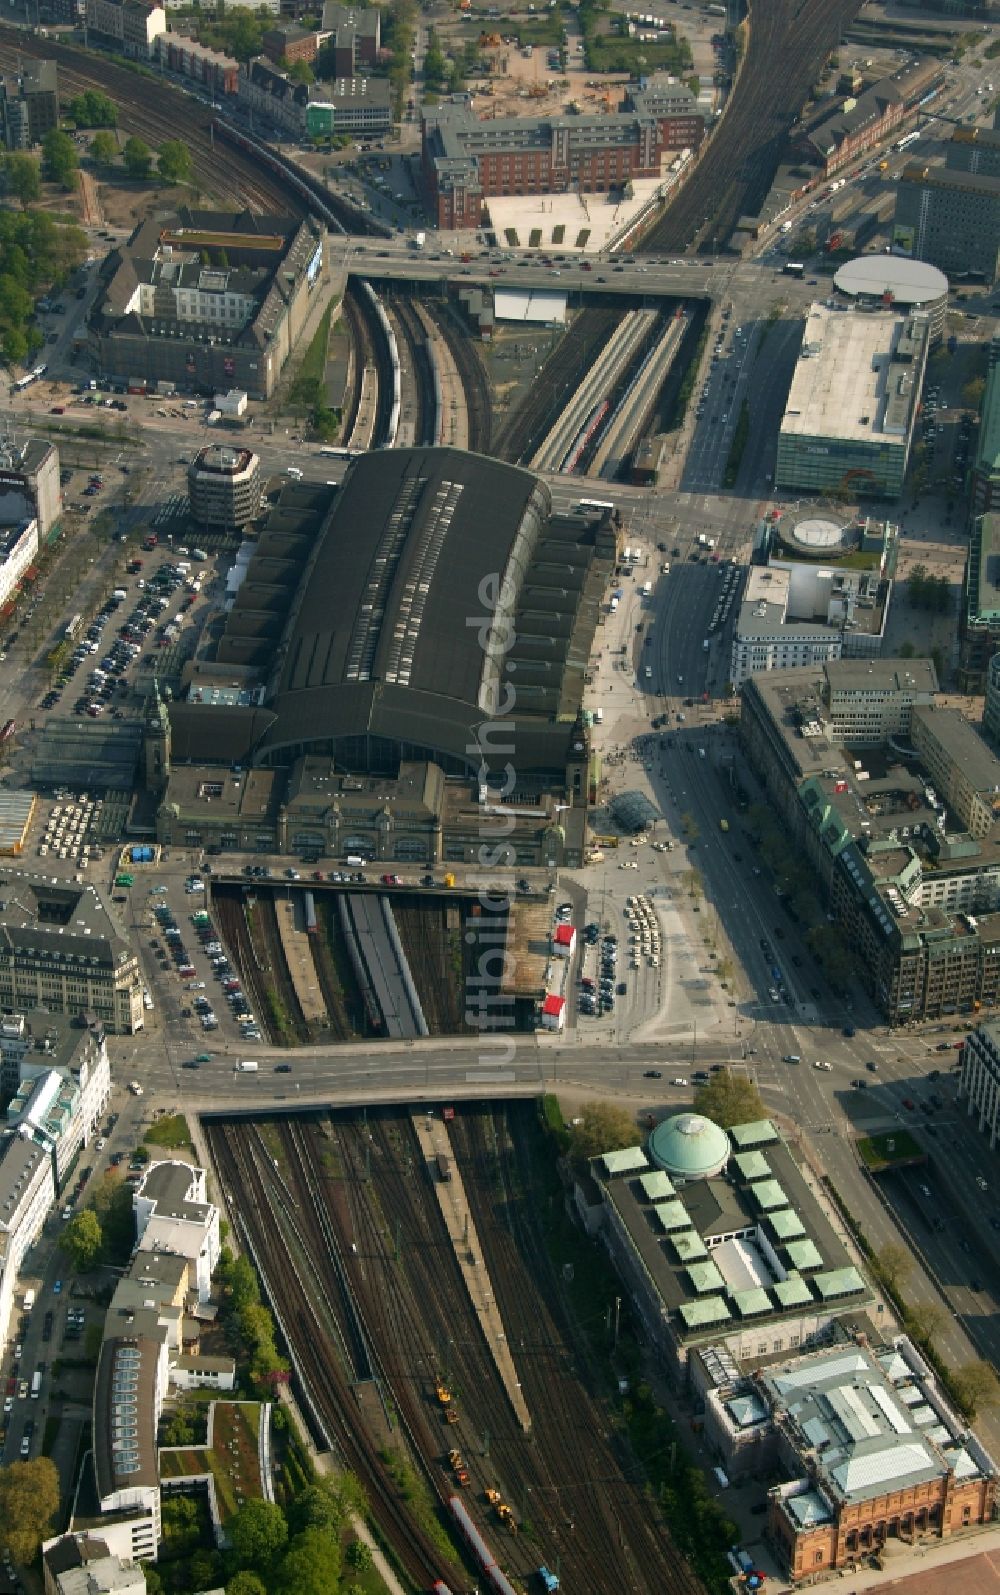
column 298, row 957
column 434, row 1141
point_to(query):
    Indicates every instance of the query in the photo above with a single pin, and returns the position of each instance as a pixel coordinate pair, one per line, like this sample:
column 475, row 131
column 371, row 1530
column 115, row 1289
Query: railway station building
column 852, row 406
column 400, row 675
column 721, row 1241
column 466, row 160
column 209, row 300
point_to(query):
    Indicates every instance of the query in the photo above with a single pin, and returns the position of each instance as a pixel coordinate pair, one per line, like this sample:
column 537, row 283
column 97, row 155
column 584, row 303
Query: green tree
column 729, row 1099
column 316, row 1507
column 104, row 149
column 894, row 1265
column 138, row 158
column 924, row 1322
column 358, row 1556
column 82, row 1240
column 23, row 178
column 603, row 1127
column 972, row 392
column 311, row 1565
column 111, row 1200
column 93, row 109
column 59, row 162
column 29, row 1499
column 257, row 1533
column 246, row 1583
column 239, row 1282
column 174, row 162
column 976, row 1386
column 204, row 1568
column 154, row 1583
column 301, row 72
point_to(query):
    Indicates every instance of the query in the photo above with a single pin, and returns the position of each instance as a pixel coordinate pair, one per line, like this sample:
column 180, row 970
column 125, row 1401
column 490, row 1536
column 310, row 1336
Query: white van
column 293, row 471
column 598, row 717
column 247, row 1066
column 647, row 589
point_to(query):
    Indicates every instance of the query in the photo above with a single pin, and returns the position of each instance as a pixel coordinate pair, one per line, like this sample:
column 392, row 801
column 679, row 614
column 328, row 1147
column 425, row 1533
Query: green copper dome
column 689, row 1147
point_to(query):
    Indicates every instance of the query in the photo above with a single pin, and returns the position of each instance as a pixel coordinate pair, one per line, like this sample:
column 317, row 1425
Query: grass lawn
column 231, row 1459
column 171, row 1131
column 888, row 1151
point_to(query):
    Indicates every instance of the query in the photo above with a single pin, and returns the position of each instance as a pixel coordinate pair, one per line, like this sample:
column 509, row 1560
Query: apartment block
column 950, row 218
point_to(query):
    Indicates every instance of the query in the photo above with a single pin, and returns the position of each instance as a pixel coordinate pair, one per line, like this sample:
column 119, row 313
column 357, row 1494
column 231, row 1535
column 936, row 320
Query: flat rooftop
column 857, row 377
column 963, row 744
column 707, row 1248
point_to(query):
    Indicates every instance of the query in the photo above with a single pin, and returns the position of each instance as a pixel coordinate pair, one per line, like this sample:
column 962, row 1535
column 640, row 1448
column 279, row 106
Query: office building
column 63, row 950
column 224, row 487
column 198, row 62
column 287, row 43
column 915, row 894
column 173, row 1215
column 964, row 771
column 888, row 282
column 974, row 149
column 165, row 314
column 29, row 104
column 991, row 706
column 354, row 35
column 466, row 160
column 362, row 106
column 27, row 1193
column 720, row 1241
column 979, row 1079
column 950, row 218
column 57, row 1075
column 29, row 484
column 132, row 25
column 864, row 118
column 272, row 98
column 979, row 616
column 986, row 467
column 852, row 406
column 82, row 1564
column 823, row 594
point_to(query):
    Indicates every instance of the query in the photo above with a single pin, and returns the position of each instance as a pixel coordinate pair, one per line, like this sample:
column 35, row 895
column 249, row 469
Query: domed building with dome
column 689, row 1147
column 721, row 1240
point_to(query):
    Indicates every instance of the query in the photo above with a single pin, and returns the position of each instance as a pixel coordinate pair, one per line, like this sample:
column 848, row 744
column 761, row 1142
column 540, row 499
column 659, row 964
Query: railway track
column 561, row 374
column 408, row 323
column 362, row 356
column 603, row 1490
column 328, row 1395
column 272, row 958
column 442, row 992
column 787, row 42
column 156, row 112
column 475, row 383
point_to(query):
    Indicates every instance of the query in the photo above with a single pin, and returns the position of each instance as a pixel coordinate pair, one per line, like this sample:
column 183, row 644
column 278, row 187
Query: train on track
column 495, row 1576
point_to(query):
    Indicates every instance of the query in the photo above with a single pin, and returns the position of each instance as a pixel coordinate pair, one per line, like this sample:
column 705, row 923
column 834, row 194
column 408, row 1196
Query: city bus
column 29, row 377
column 73, row 627
column 794, row 268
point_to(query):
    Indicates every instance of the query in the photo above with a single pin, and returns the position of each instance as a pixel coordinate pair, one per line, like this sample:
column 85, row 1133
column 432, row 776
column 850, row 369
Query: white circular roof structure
column 820, row 534
column 690, row 1147
column 910, row 282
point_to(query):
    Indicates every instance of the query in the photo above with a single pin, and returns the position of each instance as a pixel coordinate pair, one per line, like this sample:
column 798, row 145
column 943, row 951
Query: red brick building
column 466, row 160
column 290, row 43
column 218, row 72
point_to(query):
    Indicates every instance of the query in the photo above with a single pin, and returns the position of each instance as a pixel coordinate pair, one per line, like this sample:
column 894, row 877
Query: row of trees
column 35, row 251
column 292, row 1551
column 797, row 883
column 173, row 162
column 247, row 1322
column 927, row 591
